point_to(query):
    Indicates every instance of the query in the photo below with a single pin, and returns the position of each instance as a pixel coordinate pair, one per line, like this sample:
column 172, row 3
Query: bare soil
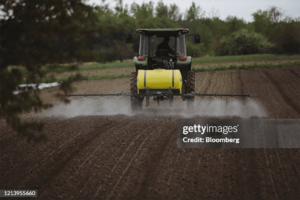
column 136, row 157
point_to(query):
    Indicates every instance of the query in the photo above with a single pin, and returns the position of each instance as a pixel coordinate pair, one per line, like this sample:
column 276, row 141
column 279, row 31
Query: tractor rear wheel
column 136, row 102
column 190, row 87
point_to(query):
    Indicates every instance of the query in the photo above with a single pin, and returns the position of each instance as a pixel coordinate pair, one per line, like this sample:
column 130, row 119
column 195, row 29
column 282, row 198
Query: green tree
column 142, row 12
column 243, row 42
column 117, row 24
column 194, row 12
column 261, row 22
column 234, row 24
column 207, row 39
column 174, row 12
column 288, row 39
column 36, row 34
column 121, row 10
column 283, row 32
column 274, row 14
column 161, row 9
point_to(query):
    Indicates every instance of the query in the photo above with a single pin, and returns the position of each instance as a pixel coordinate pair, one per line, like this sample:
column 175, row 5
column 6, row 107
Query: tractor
column 162, row 71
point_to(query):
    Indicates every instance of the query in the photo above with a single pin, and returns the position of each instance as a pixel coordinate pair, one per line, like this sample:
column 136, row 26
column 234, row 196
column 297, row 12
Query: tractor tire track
column 156, row 157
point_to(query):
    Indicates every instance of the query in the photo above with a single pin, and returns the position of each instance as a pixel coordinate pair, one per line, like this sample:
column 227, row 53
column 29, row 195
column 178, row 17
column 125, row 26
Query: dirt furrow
column 203, row 81
column 295, row 72
column 113, row 192
column 26, row 163
column 156, row 158
column 268, row 94
column 287, row 98
column 117, row 169
column 290, row 83
column 55, row 165
column 147, row 163
column 76, row 169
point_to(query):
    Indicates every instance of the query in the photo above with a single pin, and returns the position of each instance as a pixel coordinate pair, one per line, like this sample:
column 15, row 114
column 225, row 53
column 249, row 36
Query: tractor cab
column 155, row 52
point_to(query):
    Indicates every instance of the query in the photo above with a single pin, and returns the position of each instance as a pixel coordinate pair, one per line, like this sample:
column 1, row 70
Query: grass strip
column 85, row 78
column 240, row 58
column 250, row 66
column 91, row 66
column 97, row 77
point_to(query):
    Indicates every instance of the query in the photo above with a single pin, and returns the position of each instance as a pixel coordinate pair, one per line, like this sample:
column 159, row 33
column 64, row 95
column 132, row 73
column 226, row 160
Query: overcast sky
column 240, row 8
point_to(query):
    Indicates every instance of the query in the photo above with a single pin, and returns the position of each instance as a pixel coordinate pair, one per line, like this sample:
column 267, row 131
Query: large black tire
column 190, row 87
column 136, row 102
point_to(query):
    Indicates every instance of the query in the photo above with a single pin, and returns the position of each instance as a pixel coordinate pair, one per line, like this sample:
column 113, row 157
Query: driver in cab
column 165, row 46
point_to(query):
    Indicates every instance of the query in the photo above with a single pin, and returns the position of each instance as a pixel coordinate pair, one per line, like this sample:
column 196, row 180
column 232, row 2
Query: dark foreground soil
column 136, row 157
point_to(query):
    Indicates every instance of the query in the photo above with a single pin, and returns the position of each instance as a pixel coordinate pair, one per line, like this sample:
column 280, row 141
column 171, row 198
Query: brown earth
column 136, row 157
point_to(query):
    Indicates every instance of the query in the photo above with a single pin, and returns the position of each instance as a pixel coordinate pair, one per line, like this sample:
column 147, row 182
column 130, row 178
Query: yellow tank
column 159, row 79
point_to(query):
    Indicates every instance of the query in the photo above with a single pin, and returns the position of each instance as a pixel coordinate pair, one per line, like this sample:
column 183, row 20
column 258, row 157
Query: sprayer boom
column 169, row 94
column 161, row 95
column 101, row 95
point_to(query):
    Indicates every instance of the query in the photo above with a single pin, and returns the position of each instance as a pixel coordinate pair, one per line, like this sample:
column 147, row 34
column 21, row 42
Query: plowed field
column 121, row 156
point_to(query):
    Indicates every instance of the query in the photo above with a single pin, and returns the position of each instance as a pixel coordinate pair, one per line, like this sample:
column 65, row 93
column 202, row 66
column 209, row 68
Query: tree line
column 270, row 32
column 103, row 30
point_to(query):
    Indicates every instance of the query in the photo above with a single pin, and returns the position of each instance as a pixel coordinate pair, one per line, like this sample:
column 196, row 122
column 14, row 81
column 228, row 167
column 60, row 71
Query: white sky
column 240, row 8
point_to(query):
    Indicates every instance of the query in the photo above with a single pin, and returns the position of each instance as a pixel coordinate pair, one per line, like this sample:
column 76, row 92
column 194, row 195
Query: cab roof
column 162, row 31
